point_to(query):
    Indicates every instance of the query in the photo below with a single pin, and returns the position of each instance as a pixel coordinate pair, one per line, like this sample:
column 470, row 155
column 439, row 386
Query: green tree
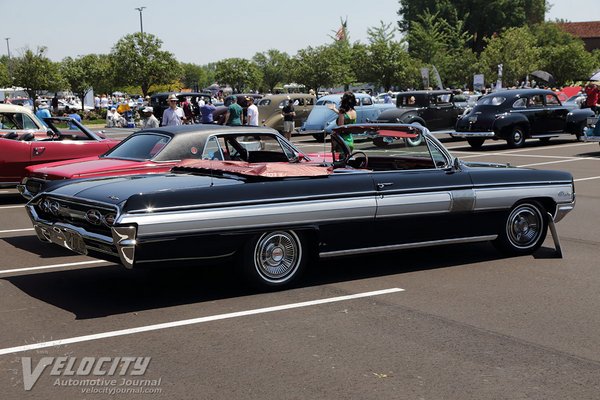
column 483, row 18
column 139, row 61
column 437, row 43
column 562, row 54
column 341, row 53
column 273, row 66
column 385, row 61
column 83, row 74
column 516, row 50
column 4, row 77
column 314, row 67
column 567, row 63
column 36, row 72
column 239, row 73
column 196, row 76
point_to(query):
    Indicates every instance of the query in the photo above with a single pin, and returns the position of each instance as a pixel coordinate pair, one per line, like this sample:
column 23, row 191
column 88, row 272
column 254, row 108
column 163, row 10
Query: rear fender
column 504, row 123
column 576, row 119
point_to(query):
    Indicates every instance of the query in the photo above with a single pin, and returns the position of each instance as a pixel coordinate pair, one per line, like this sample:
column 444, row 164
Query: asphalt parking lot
column 457, row 322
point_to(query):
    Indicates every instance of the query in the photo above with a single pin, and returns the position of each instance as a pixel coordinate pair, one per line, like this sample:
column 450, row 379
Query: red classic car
column 28, row 142
column 157, row 151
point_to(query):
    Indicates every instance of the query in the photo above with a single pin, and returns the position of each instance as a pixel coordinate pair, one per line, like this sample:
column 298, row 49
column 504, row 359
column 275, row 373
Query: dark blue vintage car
column 247, row 199
column 517, row 115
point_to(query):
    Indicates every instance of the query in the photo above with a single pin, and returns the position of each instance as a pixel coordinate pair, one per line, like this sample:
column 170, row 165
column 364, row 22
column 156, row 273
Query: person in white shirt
column 104, row 101
column 252, row 118
column 173, row 115
column 114, row 119
column 148, row 118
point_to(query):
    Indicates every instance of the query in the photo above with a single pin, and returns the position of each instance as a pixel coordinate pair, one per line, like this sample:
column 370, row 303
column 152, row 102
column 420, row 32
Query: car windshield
column 139, row 147
column 386, row 150
column 67, row 129
column 12, row 120
column 491, row 101
column 324, row 102
column 251, row 148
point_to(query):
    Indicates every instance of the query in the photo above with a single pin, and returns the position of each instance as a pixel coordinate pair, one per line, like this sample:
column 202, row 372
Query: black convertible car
column 517, row 115
column 273, row 211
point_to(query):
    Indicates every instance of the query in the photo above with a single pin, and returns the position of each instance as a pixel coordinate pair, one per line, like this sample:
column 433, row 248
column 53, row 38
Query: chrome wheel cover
column 277, row 256
column 524, row 226
column 517, row 136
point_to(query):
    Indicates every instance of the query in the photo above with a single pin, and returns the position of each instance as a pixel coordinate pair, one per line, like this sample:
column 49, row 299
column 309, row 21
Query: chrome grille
column 93, row 217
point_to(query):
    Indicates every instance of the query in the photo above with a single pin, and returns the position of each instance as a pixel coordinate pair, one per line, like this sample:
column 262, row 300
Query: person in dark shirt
column 288, row 119
column 207, row 112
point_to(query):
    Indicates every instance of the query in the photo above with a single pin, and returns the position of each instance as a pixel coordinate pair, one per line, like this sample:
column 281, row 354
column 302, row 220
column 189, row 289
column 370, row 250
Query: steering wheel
column 364, row 163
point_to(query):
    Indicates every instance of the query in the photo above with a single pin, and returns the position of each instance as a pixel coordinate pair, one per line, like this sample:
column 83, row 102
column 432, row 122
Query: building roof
column 583, row 30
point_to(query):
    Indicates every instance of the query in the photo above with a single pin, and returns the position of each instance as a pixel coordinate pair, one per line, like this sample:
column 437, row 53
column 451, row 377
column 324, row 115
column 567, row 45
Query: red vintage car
column 61, row 139
column 144, row 152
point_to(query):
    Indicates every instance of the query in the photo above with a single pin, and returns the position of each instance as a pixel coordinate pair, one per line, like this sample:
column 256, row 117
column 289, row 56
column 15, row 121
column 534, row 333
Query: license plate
column 68, row 239
column 592, row 120
column 472, row 119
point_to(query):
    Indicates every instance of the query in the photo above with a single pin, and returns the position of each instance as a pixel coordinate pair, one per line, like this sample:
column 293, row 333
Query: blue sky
column 203, row 31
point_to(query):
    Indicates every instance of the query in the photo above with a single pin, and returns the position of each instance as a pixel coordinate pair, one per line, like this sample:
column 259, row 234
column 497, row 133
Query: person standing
column 346, row 115
column 233, row 117
column 43, row 112
column 148, row 118
column 592, row 93
column 387, row 99
column 288, row 119
column 252, row 119
column 207, row 112
column 173, row 115
column 54, row 103
column 186, row 106
column 72, row 113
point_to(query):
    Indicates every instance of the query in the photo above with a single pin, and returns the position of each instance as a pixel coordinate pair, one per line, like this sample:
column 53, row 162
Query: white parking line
column 193, row 321
column 7, row 207
column 32, row 269
column 556, row 146
column 586, row 179
column 548, row 162
column 16, row 230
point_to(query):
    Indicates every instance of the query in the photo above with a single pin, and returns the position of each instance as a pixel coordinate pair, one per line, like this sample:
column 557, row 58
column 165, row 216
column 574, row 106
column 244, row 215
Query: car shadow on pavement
column 32, row 244
column 593, row 154
column 103, row 291
column 12, row 199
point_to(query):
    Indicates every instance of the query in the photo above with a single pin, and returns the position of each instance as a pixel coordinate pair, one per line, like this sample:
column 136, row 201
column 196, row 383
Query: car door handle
column 383, row 184
column 38, row 151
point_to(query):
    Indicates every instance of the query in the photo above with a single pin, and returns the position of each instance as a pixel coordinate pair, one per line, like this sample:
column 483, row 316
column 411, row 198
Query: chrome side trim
column 462, row 200
column 255, row 216
column 197, row 207
column 473, row 134
column 415, row 245
column 505, row 197
column 411, row 204
column 187, row 258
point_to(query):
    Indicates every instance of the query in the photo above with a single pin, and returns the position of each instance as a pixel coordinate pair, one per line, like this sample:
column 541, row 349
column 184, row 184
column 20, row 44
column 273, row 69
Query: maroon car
column 62, row 139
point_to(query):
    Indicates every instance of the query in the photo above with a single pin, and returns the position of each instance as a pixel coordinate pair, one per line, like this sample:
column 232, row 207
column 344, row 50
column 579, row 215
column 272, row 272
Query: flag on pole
column 341, row 33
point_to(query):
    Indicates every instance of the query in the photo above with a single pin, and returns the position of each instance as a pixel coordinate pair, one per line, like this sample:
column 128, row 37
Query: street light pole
column 7, row 46
column 140, row 9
